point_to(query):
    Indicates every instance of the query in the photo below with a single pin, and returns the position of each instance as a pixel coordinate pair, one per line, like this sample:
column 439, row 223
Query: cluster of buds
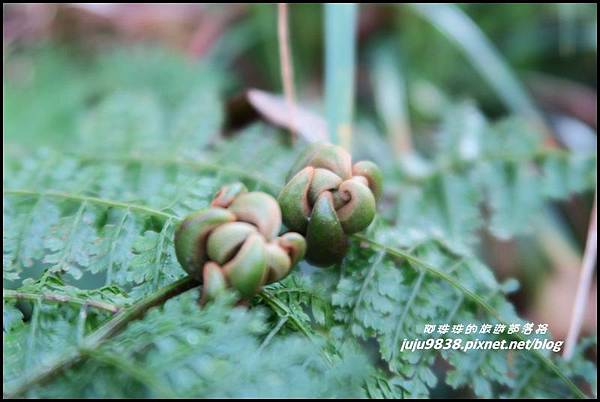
column 234, row 243
column 327, row 198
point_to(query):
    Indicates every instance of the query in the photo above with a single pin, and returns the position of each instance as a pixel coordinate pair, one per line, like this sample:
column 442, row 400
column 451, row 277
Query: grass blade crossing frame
column 459, row 28
column 340, row 43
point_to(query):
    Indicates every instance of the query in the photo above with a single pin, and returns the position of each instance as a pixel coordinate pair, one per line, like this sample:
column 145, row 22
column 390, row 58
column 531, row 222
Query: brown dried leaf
column 273, row 109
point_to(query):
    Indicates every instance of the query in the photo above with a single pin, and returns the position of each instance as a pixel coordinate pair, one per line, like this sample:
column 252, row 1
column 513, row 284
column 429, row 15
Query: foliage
column 88, row 236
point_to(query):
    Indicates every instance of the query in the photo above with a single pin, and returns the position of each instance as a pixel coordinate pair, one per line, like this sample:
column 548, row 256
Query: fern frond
column 87, row 231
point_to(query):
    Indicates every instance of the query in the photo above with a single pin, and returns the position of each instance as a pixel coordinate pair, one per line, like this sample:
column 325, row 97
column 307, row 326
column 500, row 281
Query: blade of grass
column 285, row 60
column 462, row 30
column 340, row 48
column 583, row 288
column 389, row 91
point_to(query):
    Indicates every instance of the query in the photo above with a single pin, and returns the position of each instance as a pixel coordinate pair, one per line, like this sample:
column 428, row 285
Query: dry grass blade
column 583, row 287
column 285, row 60
column 256, row 104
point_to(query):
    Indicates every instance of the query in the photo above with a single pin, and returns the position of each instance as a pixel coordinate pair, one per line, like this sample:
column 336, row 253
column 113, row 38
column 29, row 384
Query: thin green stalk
column 340, row 49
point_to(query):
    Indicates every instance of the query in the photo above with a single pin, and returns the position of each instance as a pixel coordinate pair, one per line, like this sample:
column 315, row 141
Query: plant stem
column 59, row 298
column 102, row 334
column 93, row 200
column 583, row 287
column 285, row 60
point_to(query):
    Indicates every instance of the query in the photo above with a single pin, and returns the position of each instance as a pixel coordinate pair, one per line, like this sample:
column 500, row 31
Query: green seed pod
column 227, row 194
column 372, row 173
column 248, row 268
column 214, row 281
column 360, row 209
column 234, row 243
column 294, row 244
column 325, row 237
column 326, row 156
column 327, row 198
column 191, row 236
column 227, row 239
column 278, row 262
column 259, row 209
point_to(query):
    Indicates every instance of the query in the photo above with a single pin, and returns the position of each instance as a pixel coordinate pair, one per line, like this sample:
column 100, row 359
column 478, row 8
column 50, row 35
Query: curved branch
column 98, row 337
